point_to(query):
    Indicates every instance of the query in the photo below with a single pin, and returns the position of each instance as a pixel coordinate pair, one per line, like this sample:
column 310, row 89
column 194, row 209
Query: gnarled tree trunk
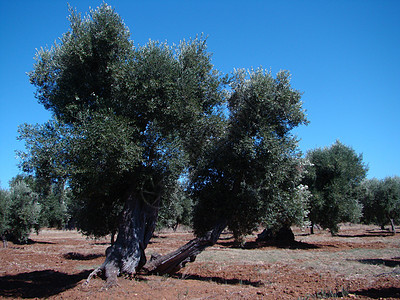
column 174, row 261
column 137, row 225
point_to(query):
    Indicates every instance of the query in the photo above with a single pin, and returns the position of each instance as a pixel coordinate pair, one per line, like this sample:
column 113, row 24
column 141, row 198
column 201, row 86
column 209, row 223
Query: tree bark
column 174, row 261
column 126, row 255
column 392, row 225
column 312, row 228
column 5, row 242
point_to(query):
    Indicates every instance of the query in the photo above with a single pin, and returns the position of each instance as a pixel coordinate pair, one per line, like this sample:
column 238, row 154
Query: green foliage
column 4, row 212
column 333, row 178
column 381, row 200
column 126, row 120
column 51, row 197
column 176, row 208
column 24, row 212
column 132, row 120
column 251, row 172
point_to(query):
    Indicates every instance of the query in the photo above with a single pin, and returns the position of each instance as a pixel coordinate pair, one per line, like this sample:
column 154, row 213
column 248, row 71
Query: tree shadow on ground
column 31, row 242
column 219, row 280
column 369, row 233
column 380, row 293
column 80, row 256
column 283, row 245
column 393, row 263
column 39, row 284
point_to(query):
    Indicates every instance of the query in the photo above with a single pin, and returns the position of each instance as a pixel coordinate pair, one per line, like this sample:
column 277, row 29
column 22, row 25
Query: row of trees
column 139, row 128
column 30, row 204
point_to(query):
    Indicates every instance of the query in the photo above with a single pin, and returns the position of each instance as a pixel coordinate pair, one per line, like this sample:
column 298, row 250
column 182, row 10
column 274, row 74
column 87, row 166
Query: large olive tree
column 129, row 122
column 251, row 173
column 122, row 127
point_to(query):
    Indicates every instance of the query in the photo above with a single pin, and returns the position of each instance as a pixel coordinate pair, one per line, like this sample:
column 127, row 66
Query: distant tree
column 24, row 212
column 4, row 215
column 176, row 208
column 381, row 200
column 51, row 198
column 333, row 178
column 366, row 196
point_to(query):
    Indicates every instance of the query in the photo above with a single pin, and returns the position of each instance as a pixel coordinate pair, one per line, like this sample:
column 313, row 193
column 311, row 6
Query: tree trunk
column 4, row 238
column 126, row 255
column 312, row 228
column 174, row 261
column 283, row 236
column 393, row 227
column 112, row 238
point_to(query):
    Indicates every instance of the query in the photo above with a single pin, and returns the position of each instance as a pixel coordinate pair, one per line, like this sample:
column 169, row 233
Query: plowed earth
column 362, row 262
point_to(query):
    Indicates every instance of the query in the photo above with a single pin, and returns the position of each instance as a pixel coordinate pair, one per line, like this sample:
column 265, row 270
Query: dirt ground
column 362, row 262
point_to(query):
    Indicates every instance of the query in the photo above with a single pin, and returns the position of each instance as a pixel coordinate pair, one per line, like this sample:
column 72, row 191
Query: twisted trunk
column 174, row 261
column 126, row 255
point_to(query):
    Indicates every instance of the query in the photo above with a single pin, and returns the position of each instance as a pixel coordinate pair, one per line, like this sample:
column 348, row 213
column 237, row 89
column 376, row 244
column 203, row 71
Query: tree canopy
column 333, row 178
column 381, row 201
column 130, row 121
column 251, row 174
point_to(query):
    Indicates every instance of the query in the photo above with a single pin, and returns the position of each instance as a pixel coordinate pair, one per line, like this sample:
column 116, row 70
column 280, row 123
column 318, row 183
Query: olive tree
column 381, row 201
column 251, row 172
column 4, row 215
column 333, row 178
column 24, row 212
column 128, row 120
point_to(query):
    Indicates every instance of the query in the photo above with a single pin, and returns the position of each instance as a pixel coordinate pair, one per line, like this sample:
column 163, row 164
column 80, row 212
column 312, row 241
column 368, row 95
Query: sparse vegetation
column 362, row 262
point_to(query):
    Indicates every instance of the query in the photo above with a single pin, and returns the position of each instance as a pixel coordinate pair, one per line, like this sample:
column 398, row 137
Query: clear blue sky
column 343, row 55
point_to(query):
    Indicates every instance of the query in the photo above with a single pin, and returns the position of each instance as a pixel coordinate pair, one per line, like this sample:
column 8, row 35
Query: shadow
column 32, row 242
column 39, row 284
column 377, row 261
column 79, row 256
column 370, row 233
column 220, row 280
column 159, row 236
column 303, row 234
column 282, row 245
column 383, row 293
column 226, row 236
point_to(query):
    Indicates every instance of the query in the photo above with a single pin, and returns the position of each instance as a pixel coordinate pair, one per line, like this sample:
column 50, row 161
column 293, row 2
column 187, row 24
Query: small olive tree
column 24, row 212
column 4, row 215
column 381, row 201
column 333, row 178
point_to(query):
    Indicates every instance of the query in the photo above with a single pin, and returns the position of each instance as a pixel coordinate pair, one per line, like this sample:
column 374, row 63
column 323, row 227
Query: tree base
column 283, row 236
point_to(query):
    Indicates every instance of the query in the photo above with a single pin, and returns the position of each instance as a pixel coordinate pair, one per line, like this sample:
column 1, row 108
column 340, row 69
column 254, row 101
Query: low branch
column 174, row 261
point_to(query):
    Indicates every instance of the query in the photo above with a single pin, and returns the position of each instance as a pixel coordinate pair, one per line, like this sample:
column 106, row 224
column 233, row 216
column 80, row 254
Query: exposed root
column 95, row 273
